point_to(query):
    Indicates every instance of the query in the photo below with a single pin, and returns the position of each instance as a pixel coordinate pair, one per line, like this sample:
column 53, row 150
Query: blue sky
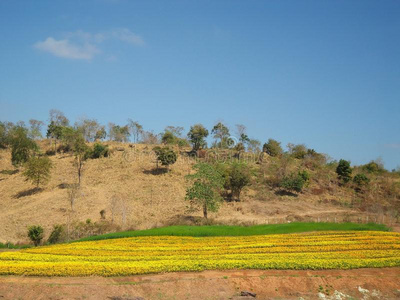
column 323, row 73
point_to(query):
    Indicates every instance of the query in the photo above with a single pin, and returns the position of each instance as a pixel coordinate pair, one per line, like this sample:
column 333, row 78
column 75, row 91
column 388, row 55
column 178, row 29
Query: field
column 229, row 230
column 154, row 254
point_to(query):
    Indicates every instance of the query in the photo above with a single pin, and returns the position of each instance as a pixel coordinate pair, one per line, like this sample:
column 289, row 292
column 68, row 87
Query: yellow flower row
column 139, row 255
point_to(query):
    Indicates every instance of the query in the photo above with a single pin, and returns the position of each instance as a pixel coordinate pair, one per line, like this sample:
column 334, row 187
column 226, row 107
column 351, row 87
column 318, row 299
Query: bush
column 57, row 235
column 165, row 155
column 64, row 148
column 295, row 182
column 344, row 170
column 35, row 233
column 272, row 148
column 50, row 152
column 98, row 151
column 361, row 180
column 373, row 167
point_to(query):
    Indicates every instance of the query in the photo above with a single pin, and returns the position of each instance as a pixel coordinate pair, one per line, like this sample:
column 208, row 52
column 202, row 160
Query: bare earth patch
column 271, row 284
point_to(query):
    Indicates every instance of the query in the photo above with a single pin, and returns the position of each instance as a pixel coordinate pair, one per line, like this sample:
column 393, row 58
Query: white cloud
column 85, row 45
column 67, row 49
column 125, row 35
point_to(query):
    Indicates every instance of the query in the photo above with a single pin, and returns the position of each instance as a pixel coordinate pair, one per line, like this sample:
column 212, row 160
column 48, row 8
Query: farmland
column 154, row 254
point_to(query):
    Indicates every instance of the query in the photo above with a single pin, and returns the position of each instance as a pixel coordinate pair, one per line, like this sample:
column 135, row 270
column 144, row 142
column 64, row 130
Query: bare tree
column 58, row 118
column 119, row 207
column 35, row 130
column 136, row 130
column 73, row 193
column 88, row 128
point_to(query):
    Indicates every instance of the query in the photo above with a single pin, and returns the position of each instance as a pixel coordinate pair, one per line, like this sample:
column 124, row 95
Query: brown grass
column 129, row 188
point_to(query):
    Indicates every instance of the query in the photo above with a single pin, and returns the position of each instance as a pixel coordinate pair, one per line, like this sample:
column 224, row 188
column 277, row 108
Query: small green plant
column 35, row 233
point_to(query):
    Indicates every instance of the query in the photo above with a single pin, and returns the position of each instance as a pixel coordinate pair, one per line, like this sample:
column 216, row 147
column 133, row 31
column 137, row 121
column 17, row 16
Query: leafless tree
column 73, row 194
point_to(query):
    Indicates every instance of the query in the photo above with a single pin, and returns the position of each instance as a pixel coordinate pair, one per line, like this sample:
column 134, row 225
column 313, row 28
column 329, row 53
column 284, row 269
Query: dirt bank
column 271, row 284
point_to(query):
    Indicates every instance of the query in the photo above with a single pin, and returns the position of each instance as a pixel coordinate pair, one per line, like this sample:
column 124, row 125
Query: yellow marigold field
column 140, row 255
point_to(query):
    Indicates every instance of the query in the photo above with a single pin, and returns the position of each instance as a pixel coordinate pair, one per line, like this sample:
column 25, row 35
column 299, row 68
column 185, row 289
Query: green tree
column 168, row 138
column 54, row 132
column 297, row 151
column 22, row 146
column 166, row 156
column 37, row 170
column 204, row 192
column 5, row 129
column 35, row 233
column 197, row 135
column 344, row 170
column 238, row 177
column 273, row 148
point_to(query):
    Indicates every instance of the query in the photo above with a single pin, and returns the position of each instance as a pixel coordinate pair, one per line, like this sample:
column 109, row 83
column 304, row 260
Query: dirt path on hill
column 270, row 284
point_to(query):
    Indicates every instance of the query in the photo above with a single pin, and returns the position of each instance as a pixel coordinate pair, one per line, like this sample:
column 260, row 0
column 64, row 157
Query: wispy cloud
column 125, row 35
column 66, row 49
column 86, row 45
column 393, row 146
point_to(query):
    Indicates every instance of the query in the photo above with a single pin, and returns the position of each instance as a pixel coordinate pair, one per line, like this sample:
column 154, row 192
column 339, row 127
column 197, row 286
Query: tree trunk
column 205, row 211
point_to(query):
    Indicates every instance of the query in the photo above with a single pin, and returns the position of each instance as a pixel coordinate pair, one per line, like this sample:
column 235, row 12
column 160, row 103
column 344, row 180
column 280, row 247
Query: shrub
column 35, row 233
column 295, row 182
column 64, row 148
column 373, row 167
column 57, row 235
column 272, row 148
column 98, row 150
column 344, row 170
column 50, row 152
column 304, row 175
column 166, row 156
column 361, row 180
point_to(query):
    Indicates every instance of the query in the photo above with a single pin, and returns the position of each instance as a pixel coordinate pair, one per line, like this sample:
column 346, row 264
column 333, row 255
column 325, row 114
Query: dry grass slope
column 127, row 180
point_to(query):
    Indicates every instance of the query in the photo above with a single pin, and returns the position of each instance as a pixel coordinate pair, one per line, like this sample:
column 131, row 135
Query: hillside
column 136, row 196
